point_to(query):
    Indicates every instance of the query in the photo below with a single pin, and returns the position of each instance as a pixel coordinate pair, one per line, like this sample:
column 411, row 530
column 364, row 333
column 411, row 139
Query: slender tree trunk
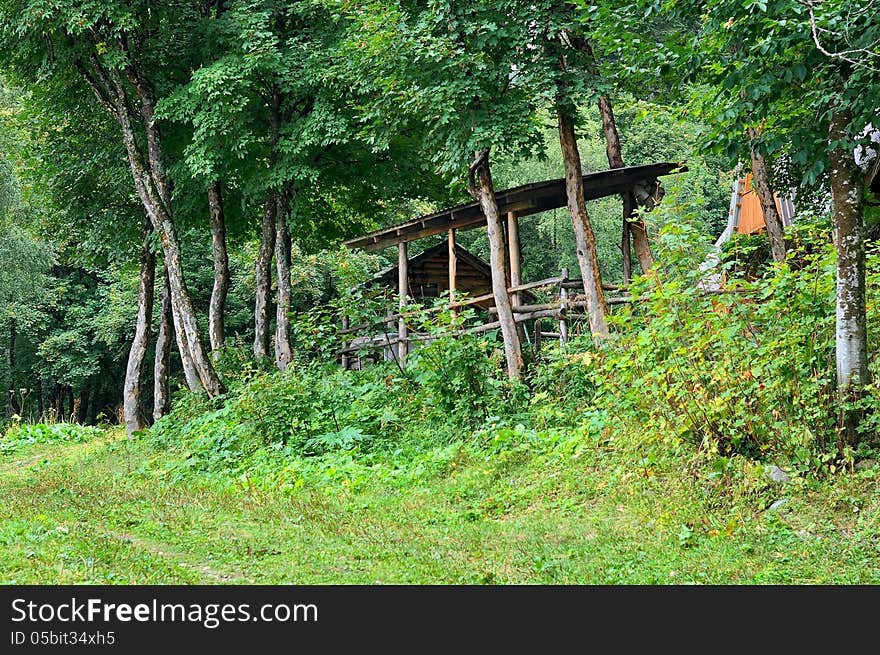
column 615, row 160
column 585, row 240
column 83, row 414
column 764, row 191
column 68, row 390
column 190, row 374
column 12, row 407
column 41, row 404
column 851, row 324
column 264, row 279
column 162, row 359
column 221, row 268
column 137, row 355
column 283, row 354
column 483, row 191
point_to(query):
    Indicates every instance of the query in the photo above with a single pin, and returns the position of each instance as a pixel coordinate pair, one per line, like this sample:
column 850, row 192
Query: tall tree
column 116, row 49
column 575, row 80
column 483, row 191
column 633, row 226
column 283, row 354
column 807, row 73
column 263, row 276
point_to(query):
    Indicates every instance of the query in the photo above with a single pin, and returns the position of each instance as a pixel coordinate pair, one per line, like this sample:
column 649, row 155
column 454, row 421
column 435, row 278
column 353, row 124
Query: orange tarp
column 751, row 214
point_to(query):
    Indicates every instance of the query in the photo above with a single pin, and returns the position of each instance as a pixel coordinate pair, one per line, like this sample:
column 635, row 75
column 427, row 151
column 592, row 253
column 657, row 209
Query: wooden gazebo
column 516, row 202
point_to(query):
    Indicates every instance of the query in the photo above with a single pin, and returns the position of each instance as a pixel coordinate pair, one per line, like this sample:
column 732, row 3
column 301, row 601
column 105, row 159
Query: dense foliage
column 321, row 120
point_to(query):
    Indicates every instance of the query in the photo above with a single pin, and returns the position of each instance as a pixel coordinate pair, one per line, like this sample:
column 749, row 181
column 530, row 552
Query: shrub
column 25, row 434
column 748, row 371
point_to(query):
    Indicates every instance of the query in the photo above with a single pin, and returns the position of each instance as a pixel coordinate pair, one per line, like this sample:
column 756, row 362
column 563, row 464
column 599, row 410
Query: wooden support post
column 402, row 287
column 345, row 356
column 563, row 308
column 513, row 247
column 538, row 336
column 627, row 253
column 453, row 267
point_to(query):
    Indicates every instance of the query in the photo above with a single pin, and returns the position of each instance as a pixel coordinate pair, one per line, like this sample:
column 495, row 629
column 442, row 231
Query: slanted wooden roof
column 523, row 200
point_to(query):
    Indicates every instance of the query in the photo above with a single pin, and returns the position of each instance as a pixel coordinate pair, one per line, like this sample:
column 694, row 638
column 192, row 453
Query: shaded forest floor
column 107, row 511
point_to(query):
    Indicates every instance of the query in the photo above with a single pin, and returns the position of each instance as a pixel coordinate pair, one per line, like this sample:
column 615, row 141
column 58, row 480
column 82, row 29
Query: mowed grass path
column 100, row 512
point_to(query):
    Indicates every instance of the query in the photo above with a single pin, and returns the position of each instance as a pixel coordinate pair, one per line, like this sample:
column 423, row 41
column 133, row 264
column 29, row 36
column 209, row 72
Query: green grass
column 109, row 511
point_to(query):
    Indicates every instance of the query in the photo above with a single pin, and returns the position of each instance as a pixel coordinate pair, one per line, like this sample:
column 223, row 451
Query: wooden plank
column 453, row 266
column 546, row 282
column 577, row 283
column 513, row 247
column 563, row 307
column 402, row 288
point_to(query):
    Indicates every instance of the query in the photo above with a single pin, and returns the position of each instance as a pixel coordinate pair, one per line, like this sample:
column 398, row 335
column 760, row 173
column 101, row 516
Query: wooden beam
column 346, row 324
column 453, row 265
column 402, row 287
column 563, row 308
column 513, row 247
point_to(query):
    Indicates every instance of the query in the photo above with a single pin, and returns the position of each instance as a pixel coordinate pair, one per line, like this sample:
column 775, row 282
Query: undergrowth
column 745, row 372
column 18, row 435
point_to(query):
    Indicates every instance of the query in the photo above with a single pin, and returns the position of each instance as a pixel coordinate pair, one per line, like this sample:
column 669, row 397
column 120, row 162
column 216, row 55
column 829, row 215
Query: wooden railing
column 381, row 335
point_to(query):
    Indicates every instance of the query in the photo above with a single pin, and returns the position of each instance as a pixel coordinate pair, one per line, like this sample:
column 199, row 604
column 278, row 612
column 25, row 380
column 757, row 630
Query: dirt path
column 102, row 526
column 168, row 552
column 20, row 464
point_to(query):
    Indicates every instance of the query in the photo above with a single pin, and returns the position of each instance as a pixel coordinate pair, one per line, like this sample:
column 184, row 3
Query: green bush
column 746, row 371
column 25, row 434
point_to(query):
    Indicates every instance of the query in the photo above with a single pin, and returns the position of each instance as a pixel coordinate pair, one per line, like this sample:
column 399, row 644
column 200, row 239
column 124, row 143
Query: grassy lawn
column 107, row 511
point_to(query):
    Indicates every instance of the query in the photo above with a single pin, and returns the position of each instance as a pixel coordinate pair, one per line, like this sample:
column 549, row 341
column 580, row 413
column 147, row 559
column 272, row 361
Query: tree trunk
column 850, row 326
column 585, row 240
column 45, row 402
column 82, row 414
column 615, row 160
column 190, row 374
column 41, row 405
column 163, row 223
column 483, row 191
column 68, row 390
column 764, row 191
column 264, row 279
column 12, row 407
column 153, row 189
column 221, row 268
column 283, row 354
column 137, row 355
column 162, row 360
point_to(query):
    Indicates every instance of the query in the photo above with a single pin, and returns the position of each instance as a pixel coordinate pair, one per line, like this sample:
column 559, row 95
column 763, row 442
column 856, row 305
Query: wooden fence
column 392, row 336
